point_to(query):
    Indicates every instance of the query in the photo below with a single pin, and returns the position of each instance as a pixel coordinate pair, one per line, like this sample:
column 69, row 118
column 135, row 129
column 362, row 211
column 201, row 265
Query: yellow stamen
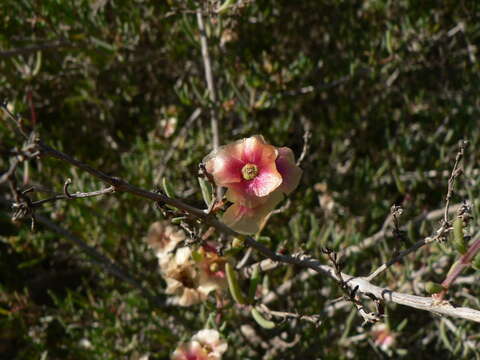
column 249, row 171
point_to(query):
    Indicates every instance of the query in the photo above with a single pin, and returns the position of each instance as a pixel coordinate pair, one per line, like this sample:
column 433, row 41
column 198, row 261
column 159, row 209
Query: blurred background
column 388, row 89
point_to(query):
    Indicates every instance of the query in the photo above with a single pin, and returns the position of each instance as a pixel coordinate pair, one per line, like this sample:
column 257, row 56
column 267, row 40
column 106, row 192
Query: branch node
column 65, row 188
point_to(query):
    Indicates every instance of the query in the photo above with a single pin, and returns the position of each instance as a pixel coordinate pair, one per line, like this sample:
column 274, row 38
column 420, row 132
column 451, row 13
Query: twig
column 9, row 173
column 307, row 134
column 211, row 88
column 209, row 79
column 401, row 255
column 372, row 240
column 351, row 292
column 314, row 319
column 451, row 181
column 445, row 227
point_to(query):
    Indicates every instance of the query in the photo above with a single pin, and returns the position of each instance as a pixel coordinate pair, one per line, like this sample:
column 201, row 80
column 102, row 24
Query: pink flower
column 205, row 345
column 384, row 337
column 289, row 170
column 247, row 168
column 256, row 175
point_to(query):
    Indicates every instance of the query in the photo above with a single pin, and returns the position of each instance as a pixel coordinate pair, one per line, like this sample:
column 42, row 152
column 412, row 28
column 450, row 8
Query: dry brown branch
column 314, row 319
column 372, row 240
column 211, row 88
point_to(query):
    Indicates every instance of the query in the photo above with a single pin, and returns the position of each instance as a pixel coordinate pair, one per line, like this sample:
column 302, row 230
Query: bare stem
column 314, row 319
column 464, row 262
column 211, row 88
column 451, row 181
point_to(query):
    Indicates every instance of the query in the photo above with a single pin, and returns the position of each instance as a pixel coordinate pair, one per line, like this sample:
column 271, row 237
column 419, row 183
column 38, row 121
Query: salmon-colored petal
column 253, row 149
column 225, row 164
column 250, row 220
column 257, row 151
column 265, row 182
column 289, row 171
column 252, row 193
column 224, row 168
column 240, row 194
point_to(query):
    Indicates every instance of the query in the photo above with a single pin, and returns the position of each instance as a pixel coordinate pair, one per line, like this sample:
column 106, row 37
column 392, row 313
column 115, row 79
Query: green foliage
column 389, row 87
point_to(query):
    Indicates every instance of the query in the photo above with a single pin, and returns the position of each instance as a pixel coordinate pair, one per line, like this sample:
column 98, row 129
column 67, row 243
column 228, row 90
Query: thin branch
column 401, row 255
column 445, row 227
column 77, row 195
column 451, row 181
column 34, row 48
column 209, row 79
column 307, row 134
column 11, row 170
column 372, row 240
column 211, row 89
column 314, row 319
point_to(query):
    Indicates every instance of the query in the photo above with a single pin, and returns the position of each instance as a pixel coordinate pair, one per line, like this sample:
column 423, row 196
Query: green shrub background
column 389, row 88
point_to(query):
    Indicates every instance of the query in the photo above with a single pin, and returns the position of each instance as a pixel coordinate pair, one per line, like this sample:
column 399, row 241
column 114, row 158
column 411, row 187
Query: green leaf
column 476, row 262
column 458, row 238
column 433, row 287
column 258, row 317
column 254, row 281
column 167, row 188
column 225, row 6
column 206, row 188
column 233, row 285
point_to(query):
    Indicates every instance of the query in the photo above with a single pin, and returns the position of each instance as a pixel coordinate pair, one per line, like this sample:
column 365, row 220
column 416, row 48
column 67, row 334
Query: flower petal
column 266, row 182
column 254, row 147
column 240, row 193
column 254, row 192
column 225, row 164
column 250, row 220
column 289, row 171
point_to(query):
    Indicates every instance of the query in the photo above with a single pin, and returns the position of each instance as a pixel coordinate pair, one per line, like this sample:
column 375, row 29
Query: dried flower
column 211, row 269
column 205, row 345
column 189, row 280
column 182, row 279
column 163, row 238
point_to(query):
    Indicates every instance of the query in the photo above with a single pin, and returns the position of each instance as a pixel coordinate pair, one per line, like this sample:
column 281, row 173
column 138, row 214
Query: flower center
column 249, row 171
